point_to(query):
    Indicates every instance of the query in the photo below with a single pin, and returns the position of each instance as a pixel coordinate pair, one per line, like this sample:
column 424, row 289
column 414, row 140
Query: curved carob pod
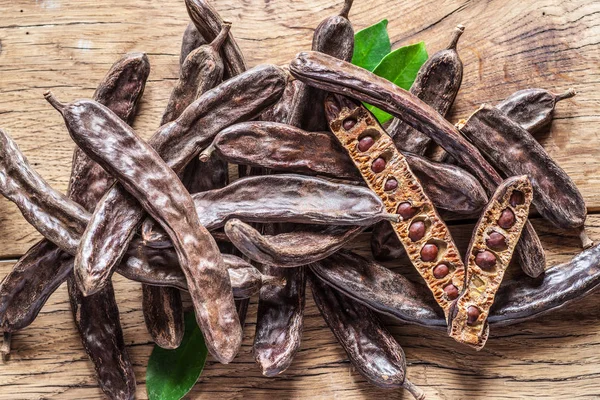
column 421, row 231
column 116, row 217
column 293, row 249
column 334, row 36
column 372, row 350
column 337, row 76
column 201, row 70
column 209, row 23
column 191, row 40
column 142, row 172
column 532, row 108
column 515, row 152
column 283, row 198
column 494, row 239
column 517, row 300
column 437, row 84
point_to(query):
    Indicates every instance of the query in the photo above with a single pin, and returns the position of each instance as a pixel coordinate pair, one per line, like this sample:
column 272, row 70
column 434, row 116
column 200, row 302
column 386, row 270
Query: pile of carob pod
column 316, row 169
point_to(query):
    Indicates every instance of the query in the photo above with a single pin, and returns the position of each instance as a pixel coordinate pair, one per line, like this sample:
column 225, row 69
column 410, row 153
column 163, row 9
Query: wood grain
column 68, row 45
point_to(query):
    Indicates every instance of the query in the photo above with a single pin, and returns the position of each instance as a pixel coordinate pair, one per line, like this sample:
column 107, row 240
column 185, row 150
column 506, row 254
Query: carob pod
column 518, row 300
column 141, row 171
column 283, row 198
column 209, row 23
column 328, row 73
column 191, row 40
column 371, row 348
column 201, row 70
column 532, row 108
column 514, row 151
column 437, row 84
column 293, row 249
column 334, row 36
column 116, row 217
column 494, row 239
column 422, row 232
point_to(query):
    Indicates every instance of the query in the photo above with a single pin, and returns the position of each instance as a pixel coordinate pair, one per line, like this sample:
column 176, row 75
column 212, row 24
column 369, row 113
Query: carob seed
column 496, row 241
column 349, row 123
column 485, row 260
column 416, row 231
column 378, row 165
column 365, row 143
column 451, row 291
column 472, row 315
column 517, row 198
column 390, row 184
column 440, row 271
column 406, row 211
column 429, row 252
column 507, row 219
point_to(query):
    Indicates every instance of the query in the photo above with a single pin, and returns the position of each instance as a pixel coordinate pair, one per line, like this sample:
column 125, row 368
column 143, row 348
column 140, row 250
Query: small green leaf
column 400, row 67
column 371, row 45
column 173, row 373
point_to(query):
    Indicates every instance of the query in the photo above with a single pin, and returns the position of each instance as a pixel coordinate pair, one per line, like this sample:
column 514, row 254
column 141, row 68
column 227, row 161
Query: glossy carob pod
column 334, row 36
column 337, row 76
column 116, row 217
column 371, row 348
column 283, row 198
column 299, row 247
column 421, row 231
column 491, row 249
column 532, row 108
column 141, row 171
column 437, row 84
column 518, row 300
column 515, row 152
column 201, row 70
column 209, row 23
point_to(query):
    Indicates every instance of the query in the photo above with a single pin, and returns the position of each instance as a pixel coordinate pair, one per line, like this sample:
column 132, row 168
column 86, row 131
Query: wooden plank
column 67, row 46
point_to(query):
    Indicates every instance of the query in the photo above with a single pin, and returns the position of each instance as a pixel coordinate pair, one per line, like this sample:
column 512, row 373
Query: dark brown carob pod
column 490, row 252
column 437, row 84
column 515, row 152
column 299, row 247
column 370, row 347
column 532, row 108
column 116, row 217
column 191, row 40
column 141, row 171
column 517, row 300
column 334, row 36
column 163, row 315
column 337, row 76
column 209, row 23
column 421, row 231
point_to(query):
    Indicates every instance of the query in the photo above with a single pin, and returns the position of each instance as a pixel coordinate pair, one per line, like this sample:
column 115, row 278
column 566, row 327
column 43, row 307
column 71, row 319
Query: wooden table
column 67, row 46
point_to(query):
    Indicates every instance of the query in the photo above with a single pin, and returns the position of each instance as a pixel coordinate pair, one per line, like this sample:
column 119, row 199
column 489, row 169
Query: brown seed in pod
column 486, row 265
column 382, row 162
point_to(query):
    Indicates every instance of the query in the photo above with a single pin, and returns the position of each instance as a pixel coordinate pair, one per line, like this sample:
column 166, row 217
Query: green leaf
column 371, row 45
column 171, row 374
column 400, row 67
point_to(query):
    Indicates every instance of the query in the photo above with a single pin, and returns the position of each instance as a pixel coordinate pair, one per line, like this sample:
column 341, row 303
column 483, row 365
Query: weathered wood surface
column 67, row 46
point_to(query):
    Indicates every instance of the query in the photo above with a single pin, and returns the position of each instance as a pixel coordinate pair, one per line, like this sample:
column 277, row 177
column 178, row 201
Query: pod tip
column 346, row 10
column 49, row 96
column 414, row 390
column 5, row 348
column 206, row 153
column 586, row 242
column 458, row 31
column 566, row 95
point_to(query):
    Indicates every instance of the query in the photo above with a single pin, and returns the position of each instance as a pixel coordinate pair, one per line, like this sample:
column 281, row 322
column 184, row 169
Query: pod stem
column 5, row 348
column 207, row 153
column 416, row 392
column 586, row 242
column 273, row 280
column 566, row 95
column 391, row 217
column 346, row 10
column 49, row 96
column 222, row 36
column 456, row 34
